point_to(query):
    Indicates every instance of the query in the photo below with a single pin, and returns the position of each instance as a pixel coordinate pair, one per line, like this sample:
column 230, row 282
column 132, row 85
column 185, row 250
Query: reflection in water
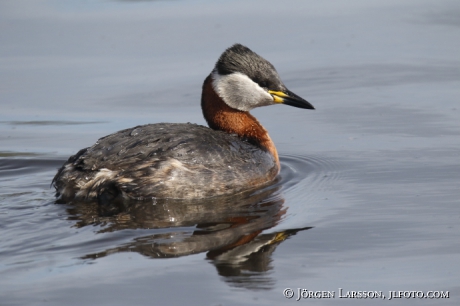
column 247, row 265
column 227, row 228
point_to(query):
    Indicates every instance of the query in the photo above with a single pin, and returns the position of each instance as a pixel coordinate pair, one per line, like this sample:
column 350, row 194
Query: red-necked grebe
column 186, row 161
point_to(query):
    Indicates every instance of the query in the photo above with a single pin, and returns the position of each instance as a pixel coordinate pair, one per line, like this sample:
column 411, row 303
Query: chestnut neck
column 222, row 117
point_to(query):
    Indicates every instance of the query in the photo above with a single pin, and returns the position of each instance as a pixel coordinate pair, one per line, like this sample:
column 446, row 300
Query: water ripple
column 310, row 172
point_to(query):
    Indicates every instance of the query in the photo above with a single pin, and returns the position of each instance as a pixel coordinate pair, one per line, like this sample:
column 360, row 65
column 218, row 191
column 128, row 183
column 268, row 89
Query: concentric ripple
column 307, row 185
column 310, row 172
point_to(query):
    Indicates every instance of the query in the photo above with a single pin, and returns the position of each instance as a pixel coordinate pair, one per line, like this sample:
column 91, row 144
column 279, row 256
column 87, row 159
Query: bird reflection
column 247, row 265
column 228, row 228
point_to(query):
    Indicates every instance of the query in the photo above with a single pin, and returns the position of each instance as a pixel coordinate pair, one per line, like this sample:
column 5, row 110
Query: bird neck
column 222, row 117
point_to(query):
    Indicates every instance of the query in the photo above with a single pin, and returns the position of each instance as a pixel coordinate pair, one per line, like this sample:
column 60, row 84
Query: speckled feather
column 165, row 160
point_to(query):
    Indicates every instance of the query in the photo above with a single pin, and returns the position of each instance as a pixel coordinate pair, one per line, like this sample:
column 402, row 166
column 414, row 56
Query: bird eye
column 263, row 84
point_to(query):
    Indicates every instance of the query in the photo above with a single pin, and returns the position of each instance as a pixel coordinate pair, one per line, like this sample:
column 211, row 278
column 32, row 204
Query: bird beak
column 289, row 98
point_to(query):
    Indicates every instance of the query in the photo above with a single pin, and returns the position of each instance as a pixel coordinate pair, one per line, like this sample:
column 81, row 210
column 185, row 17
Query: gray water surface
column 369, row 194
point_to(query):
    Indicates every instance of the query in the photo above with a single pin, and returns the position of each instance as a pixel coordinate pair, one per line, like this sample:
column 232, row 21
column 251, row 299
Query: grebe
column 187, row 161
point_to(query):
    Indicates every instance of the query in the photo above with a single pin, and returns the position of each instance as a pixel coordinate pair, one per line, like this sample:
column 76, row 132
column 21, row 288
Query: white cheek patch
column 240, row 92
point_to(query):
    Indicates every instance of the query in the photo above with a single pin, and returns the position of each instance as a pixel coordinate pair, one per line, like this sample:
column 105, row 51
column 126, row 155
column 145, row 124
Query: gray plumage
column 164, row 160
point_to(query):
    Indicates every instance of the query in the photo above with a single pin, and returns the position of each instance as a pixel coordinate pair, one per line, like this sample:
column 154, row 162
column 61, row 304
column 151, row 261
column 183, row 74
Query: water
column 368, row 197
